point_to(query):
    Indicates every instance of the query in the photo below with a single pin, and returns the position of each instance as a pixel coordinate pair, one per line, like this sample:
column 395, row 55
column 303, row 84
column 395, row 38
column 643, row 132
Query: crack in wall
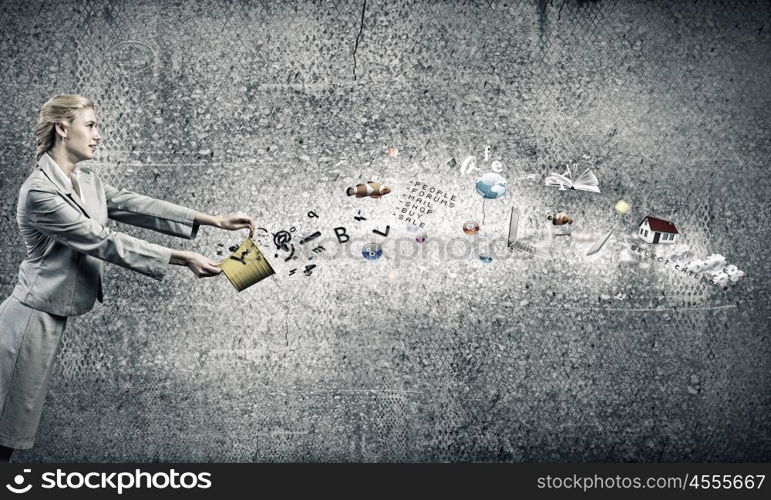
column 356, row 45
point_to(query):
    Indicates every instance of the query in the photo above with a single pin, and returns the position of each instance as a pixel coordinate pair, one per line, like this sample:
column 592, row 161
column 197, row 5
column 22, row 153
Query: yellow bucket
column 246, row 266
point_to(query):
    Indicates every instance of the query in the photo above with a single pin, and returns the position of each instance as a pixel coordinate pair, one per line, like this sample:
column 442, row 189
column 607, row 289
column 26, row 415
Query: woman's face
column 82, row 136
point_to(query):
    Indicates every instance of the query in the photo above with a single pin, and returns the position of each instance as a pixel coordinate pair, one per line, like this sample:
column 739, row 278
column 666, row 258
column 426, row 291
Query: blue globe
column 491, row 186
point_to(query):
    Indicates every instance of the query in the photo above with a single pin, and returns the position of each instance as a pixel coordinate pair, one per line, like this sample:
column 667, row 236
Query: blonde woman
column 62, row 212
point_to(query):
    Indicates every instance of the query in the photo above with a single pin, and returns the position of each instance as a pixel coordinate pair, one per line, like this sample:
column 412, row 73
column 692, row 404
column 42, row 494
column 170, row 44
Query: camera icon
column 19, row 481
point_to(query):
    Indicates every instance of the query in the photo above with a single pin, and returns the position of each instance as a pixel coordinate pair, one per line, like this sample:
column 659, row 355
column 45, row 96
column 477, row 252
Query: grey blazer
column 67, row 242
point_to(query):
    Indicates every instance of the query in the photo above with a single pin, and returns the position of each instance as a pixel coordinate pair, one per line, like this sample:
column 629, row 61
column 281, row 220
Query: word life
column 469, row 165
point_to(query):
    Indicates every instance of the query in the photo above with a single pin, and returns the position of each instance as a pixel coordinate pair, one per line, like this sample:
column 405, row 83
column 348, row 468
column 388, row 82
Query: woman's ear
column 61, row 129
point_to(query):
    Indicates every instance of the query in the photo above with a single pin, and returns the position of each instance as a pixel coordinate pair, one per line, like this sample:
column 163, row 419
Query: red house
column 653, row 230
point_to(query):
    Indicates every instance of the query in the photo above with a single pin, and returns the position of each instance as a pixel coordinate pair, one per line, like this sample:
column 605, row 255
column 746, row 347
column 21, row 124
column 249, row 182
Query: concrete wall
column 427, row 354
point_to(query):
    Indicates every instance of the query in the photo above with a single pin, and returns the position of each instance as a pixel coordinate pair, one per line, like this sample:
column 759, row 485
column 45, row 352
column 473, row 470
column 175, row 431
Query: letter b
column 342, row 237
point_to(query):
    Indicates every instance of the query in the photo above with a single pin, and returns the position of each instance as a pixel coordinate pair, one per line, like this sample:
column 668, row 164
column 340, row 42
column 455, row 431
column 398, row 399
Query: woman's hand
column 201, row 266
column 238, row 220
column 232, row 222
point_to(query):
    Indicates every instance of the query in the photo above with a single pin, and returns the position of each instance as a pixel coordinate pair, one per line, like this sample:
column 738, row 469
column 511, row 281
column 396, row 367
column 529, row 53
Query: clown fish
column 560, row 219
column 371, row 188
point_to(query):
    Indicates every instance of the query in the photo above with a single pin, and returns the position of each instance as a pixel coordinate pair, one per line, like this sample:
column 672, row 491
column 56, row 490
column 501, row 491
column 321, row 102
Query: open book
column 585, row 182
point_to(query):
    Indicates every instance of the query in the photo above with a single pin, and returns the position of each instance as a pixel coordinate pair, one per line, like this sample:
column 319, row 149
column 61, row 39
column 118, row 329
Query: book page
column 587, row 182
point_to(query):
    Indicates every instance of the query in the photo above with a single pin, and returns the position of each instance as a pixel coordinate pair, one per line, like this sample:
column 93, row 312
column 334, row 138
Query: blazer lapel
column 79, row 202
column 56, row 175
column 87, row 189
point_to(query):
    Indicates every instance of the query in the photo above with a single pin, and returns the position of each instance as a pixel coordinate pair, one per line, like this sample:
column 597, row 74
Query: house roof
column 660, row 225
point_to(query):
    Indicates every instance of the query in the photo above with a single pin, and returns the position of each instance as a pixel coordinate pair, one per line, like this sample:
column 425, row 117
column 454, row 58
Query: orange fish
column 371, row 188
column 560, row 219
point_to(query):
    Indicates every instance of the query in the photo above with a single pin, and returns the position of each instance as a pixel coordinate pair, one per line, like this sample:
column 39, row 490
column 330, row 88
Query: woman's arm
column 165, row 217
column 150, row 213
column 49, row 213
column 46, row 210
column 238, row 220
column 200, row 265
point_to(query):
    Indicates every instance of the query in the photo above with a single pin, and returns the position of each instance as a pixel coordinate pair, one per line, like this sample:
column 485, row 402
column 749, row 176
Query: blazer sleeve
column 53, row 216
column 143, row 211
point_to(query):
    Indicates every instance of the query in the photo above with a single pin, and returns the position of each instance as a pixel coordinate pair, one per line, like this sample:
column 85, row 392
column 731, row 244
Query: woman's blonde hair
column 60, row 108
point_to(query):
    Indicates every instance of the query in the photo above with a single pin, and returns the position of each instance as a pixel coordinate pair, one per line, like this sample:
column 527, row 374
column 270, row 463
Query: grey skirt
column 29, row 342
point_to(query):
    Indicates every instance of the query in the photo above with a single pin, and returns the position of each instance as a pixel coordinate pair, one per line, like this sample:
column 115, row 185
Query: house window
column 641, row 230
column 646, row 233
